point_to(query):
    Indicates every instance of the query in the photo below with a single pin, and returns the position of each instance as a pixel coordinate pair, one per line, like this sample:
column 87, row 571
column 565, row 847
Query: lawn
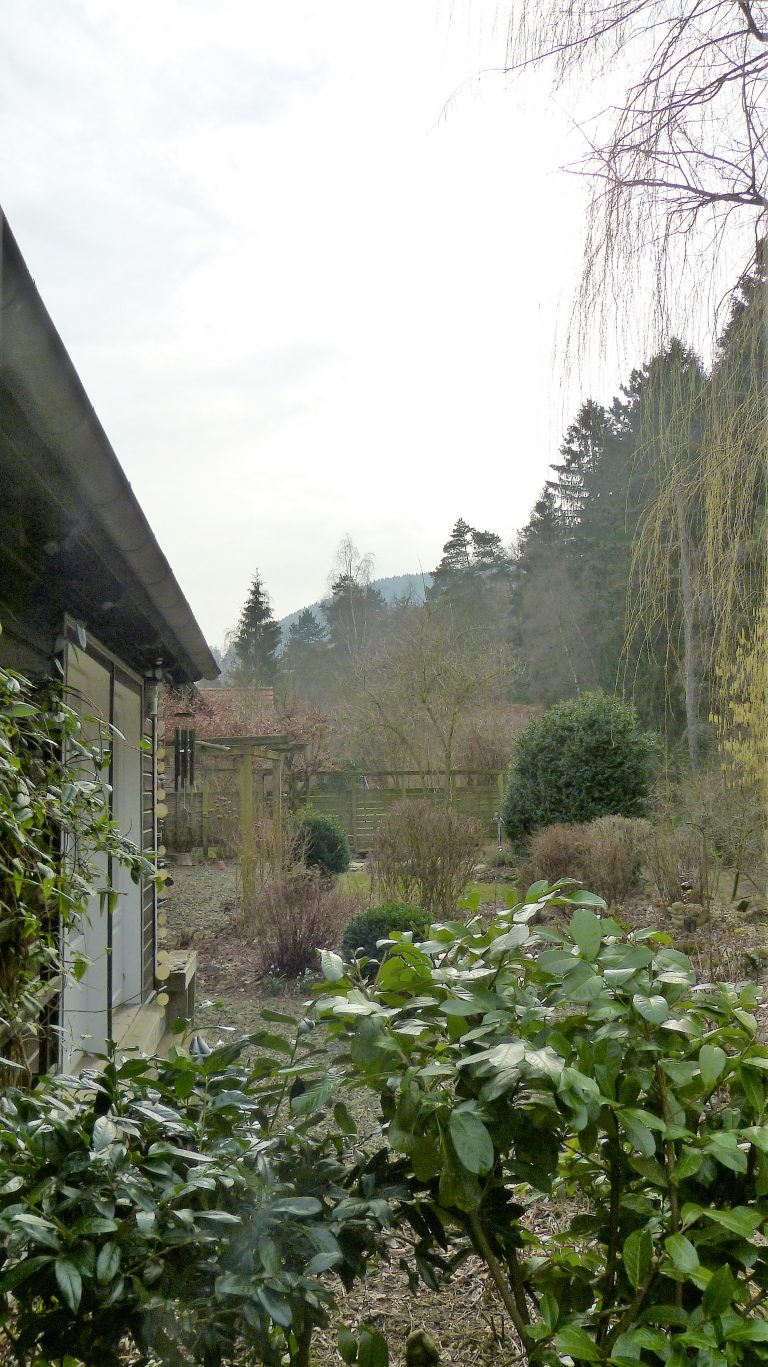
column 357, row 881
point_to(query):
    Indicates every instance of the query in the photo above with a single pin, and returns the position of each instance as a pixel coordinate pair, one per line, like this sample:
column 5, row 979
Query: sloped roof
column 72, row 526
column 220, row 712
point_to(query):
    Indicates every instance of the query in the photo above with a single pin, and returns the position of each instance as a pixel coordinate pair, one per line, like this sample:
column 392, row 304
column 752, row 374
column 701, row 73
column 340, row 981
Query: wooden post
column 353, row 811
column 277, row 809
column 204, row 805
column 247, row 871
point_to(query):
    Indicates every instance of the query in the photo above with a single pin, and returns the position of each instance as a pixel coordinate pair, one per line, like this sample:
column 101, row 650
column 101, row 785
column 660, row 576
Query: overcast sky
column 307, row 290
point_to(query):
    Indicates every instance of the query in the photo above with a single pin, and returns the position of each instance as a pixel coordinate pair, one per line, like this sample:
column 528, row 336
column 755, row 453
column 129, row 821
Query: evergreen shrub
column 363, row 932
column 183, row 1210
column 323, row 843
column 583, row 758
column 580, row 1074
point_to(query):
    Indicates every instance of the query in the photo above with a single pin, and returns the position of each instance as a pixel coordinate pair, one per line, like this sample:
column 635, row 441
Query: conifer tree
column 257, row 642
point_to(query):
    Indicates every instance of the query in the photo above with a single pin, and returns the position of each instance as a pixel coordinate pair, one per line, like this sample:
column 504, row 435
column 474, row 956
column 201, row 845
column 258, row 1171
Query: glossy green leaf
column 276, row 1307
column 107, row 1263
column 712, row 1061
column 471, row 1140
column 636, row 1254
column 372, row 1350
column 69, row 1281
column 586, row 931
column 347, row 1345
column 654, row 1009
column 682, row 1252
column 748, row 1331
column 332, row 966
column 720, row 1292
column 577, row 1343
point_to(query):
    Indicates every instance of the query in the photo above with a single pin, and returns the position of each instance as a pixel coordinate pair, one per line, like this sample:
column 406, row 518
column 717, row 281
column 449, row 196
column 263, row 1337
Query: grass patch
column 359, row 883
column 356, row 881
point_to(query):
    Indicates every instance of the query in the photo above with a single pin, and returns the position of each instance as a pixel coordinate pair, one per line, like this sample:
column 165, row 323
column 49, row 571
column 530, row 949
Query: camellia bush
column 182, row 1211
column 583, row 758
column 579, row 1071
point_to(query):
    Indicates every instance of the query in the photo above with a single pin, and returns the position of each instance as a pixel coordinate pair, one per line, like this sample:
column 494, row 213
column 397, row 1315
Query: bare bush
column 675, row 859
column 424, row 855
column 613, row 856
column 293, row 917
column 604, row 854
column 558, row 851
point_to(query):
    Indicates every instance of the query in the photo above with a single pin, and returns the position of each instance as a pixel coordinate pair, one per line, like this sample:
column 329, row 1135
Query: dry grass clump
column 294, row 916
column 424, row 855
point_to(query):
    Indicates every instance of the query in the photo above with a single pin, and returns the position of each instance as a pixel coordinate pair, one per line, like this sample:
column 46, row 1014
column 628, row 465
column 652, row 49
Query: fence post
column 353, row 811
column 204, row 795
column 245, row 776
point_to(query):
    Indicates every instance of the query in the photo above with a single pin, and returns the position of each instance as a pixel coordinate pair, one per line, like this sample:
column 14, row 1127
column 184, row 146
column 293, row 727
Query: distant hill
column 396, row 586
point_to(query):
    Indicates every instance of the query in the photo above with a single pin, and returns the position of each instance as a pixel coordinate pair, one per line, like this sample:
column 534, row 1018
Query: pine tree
column 306, row 632
column 258, row 638
column 474, row 577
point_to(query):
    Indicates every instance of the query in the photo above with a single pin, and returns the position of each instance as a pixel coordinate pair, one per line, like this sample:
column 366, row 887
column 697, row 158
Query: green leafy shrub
column 53, row 799
column 583, row 758
column 162, row 1206
column 424, row 855
column 294, row 916
column 594, row 1083
column 322, row 842
column 363, row 932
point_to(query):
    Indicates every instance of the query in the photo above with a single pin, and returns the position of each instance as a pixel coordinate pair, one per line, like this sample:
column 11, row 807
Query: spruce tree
column 258, row 638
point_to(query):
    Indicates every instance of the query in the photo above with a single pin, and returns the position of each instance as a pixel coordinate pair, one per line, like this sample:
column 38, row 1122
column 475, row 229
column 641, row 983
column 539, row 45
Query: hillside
column 391, row 587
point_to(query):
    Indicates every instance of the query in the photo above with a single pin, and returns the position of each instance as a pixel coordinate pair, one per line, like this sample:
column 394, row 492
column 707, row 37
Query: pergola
column 252, row 796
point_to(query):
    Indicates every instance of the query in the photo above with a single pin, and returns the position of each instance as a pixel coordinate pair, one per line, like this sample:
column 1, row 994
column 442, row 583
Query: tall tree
column 679, row 161
column 475, row 576
column 354, row 608
column 257, row 641
column 421, row 685
column 304, row 661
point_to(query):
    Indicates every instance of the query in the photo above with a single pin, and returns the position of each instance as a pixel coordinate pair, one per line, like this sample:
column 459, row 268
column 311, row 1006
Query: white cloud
column 302, row 298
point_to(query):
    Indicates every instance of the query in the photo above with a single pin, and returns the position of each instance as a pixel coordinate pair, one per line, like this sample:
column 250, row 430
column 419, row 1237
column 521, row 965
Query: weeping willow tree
column 678, row 167
column 677, row 163
column 700, row 568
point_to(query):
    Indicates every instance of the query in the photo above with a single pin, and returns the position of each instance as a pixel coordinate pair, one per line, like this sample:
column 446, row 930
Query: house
column 84, row 583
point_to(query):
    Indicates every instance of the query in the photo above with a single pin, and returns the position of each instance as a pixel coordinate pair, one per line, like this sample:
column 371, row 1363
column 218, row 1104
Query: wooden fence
column 207, row 817
column 360, row 801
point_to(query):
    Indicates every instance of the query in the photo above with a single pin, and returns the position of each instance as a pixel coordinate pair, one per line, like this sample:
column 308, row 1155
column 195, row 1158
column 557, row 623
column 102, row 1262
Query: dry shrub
column 425, row 855
column 556, row 852
column 604, row 854
column 613, row 855
column 293, row 917
column 677, row 857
